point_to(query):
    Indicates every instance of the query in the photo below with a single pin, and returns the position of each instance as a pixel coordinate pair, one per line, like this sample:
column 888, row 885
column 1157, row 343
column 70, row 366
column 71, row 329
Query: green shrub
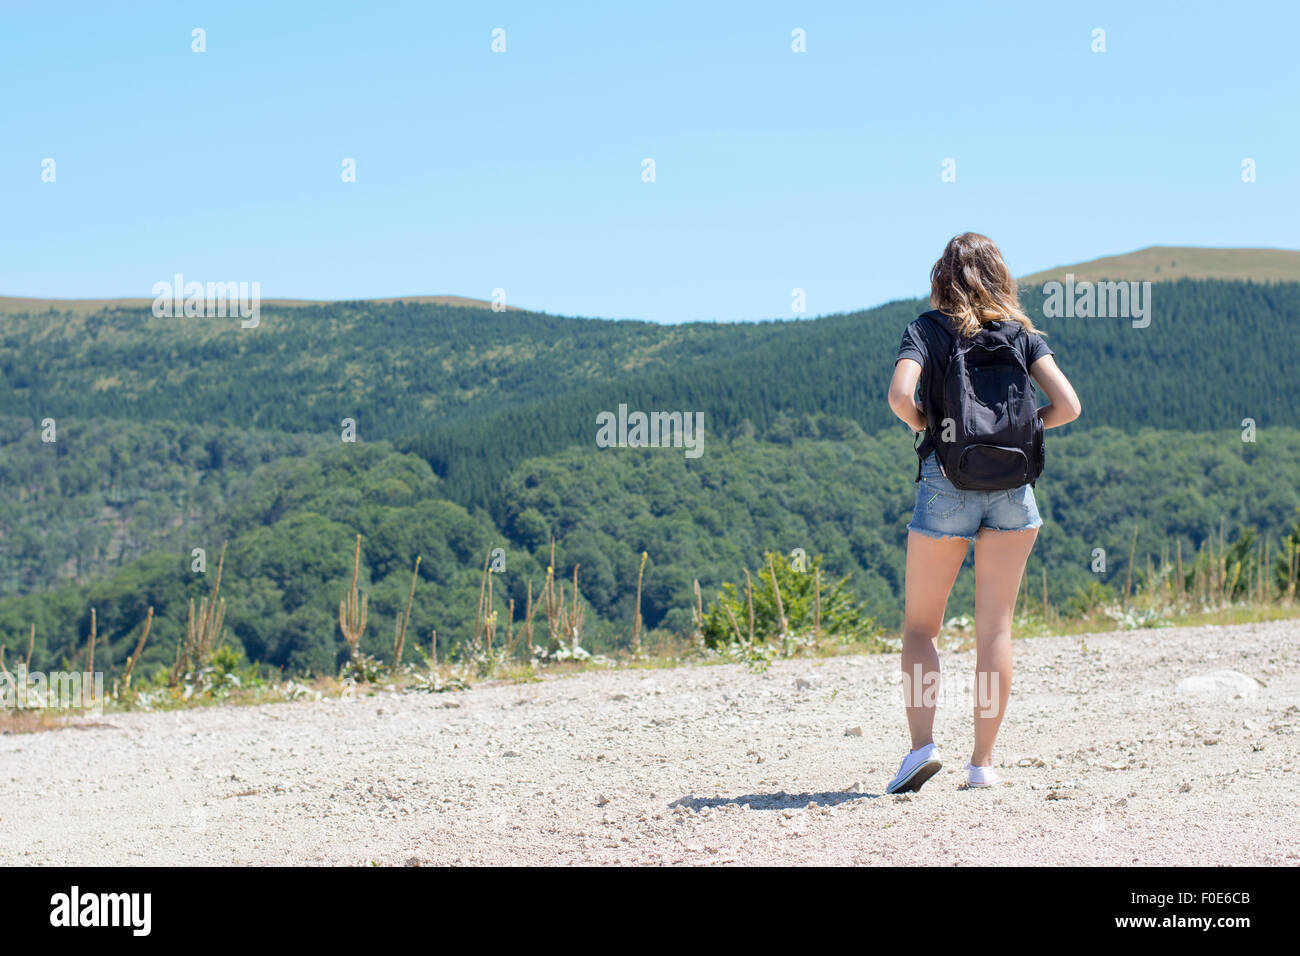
column 841, row 615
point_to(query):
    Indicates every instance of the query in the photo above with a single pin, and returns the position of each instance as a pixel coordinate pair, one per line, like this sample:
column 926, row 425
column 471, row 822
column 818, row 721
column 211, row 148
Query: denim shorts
column 943, row 511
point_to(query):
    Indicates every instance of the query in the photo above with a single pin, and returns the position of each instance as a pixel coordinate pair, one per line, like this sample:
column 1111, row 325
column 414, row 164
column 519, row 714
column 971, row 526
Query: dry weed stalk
column 573, row 621
column 490, row 619
column 697, row 615
column 352, row 609
column 1288, row 589
column 90, row 646
column 636, row 616
column 1128, row 580
column 740, row 638
column 780, row 606
column 529, row 611
column 135, row 656
column 1223, row 564
column 1178, row 550
column 4, row 672
column 749, row 601
column 482, row 593
column 399, row 639
column 552, row 612
column 202, row 633
column 817, row 600
column 510, row 623
column 1262, row 571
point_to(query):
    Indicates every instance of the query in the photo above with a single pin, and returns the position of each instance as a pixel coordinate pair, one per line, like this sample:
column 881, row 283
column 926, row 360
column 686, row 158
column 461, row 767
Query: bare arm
column 1062, row 404
column 902, row 393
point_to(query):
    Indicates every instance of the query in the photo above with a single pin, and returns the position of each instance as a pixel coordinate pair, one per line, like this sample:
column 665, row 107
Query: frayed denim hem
column 1023, row 527
column 939, row 535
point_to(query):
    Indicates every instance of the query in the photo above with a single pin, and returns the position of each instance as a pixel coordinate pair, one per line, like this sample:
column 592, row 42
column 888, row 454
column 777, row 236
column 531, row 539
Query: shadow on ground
column 775, row 801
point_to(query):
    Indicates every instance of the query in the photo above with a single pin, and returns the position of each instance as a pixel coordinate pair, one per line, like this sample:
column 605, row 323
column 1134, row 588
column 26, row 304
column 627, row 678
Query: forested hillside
column 109, row 491
column 394, row 368
column 476, row 429
column 1214, row 351
column 820, row 485
column 1214, row 354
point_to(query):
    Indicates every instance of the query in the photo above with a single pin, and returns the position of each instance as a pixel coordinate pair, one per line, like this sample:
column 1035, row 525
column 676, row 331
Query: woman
column 972, row 292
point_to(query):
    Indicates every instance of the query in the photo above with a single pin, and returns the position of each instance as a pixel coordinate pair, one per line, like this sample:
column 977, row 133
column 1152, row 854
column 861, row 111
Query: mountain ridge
column 1150, row 263
column 16, row 303
column 1169, row 263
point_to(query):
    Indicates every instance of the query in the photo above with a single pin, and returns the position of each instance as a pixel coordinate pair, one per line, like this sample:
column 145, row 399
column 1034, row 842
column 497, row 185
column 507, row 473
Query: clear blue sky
column 522, row 170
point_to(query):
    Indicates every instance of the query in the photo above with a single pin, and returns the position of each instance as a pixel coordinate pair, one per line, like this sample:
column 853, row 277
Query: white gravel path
column 1103, row 764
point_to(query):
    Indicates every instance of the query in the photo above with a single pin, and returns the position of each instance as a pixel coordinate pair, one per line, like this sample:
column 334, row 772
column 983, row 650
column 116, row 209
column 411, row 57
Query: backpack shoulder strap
column 933, row 329
column 938, row 346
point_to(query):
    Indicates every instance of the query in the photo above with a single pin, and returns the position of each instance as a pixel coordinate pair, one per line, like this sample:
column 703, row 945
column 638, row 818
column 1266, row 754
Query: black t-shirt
column 929, row 343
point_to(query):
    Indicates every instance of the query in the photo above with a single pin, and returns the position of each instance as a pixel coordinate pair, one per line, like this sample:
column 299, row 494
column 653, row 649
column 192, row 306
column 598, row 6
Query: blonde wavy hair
column 972, row 284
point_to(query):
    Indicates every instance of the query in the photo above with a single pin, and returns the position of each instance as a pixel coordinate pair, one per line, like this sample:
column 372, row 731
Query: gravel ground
column 1103, row 762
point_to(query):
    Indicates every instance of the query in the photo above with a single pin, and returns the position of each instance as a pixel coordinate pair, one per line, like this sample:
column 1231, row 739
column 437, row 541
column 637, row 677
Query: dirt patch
column 1102, row 760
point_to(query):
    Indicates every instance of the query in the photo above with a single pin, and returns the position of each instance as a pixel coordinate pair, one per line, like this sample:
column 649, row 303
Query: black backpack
column 988, row 436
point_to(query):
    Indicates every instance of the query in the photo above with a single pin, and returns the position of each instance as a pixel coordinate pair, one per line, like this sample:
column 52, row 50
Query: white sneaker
column 980, row 776
column 917, row 767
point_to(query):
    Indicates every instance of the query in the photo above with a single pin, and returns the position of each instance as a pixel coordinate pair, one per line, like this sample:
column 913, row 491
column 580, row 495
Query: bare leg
column 1000, row 558
column 932, row 566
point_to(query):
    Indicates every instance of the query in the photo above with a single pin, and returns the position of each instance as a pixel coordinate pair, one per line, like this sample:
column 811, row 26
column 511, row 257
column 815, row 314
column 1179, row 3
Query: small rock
column 1209, row 741
column 1223, row 683
column 853, row 732
column 1185, row 788
column 601, row 800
